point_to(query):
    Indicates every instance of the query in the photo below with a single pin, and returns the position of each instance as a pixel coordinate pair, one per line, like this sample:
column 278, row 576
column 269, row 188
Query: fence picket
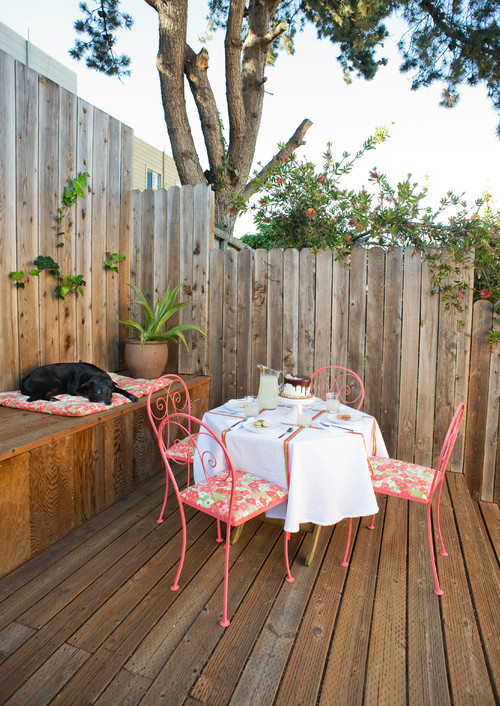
column 374, row 331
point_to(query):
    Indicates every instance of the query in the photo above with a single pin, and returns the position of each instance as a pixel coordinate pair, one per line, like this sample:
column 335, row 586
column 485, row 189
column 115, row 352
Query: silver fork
column 287, row 431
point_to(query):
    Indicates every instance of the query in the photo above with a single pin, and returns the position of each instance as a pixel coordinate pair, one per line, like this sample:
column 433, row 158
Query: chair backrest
column 209, row 458
column 174, row 398
column 449, row 442
column 335, row 378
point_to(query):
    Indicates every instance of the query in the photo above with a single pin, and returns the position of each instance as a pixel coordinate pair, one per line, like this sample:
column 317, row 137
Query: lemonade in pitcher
column 268, row 387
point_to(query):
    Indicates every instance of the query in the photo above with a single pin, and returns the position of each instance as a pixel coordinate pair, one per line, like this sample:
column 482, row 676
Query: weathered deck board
column 92, row 620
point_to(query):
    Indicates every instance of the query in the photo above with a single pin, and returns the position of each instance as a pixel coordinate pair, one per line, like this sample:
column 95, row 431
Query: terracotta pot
column 148, row 362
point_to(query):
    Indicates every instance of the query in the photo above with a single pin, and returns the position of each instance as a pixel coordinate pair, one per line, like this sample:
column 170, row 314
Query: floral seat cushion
column 400, row 478
column 181, row 450
column 252, row 495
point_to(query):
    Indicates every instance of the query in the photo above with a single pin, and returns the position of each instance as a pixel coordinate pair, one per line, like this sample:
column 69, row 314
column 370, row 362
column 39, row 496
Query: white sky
column 456, row 149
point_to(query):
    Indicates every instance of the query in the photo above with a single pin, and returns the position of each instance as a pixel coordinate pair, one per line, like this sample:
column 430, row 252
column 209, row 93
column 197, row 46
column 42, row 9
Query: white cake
column 296, row 388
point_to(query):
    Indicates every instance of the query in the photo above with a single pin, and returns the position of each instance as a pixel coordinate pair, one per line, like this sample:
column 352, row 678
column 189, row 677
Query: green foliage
column 301, row 206
column 69, row 199
column 99, row 26
column 66, row 284
column 113, row 261
column 157, row 317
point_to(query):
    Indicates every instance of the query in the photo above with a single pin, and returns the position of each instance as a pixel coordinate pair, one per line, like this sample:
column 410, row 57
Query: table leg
column 313, row 542
column 236, row 533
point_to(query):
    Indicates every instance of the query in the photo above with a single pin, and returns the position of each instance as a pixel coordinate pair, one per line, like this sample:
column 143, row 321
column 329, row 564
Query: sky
column 447, row 149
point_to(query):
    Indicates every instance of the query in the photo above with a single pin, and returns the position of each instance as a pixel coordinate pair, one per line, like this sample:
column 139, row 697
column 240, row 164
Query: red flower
column 310, row 212
column 231, row 210
column 320, row 179
column 262, row 202
column 373, row 175
column 485, row 293
column 279, row 180
column 286, row 159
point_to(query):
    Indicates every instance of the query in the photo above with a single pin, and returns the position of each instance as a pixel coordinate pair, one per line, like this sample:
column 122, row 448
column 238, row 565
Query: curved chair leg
column 437, row 590
column 175, row 585
column 344, row 561
column 371, row 525
column 442, row 551
column 160, row 519
column 225, row 622
column 289, row 576
column 219, row 535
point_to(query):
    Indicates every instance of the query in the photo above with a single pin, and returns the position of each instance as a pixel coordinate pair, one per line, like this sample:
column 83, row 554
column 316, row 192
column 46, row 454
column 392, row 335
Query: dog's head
column 97, row 391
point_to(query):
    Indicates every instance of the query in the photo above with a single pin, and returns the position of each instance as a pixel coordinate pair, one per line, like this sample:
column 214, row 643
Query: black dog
column 71, row 379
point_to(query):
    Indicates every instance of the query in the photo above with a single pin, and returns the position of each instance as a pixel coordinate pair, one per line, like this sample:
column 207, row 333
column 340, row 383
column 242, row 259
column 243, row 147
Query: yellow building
column 153, row 169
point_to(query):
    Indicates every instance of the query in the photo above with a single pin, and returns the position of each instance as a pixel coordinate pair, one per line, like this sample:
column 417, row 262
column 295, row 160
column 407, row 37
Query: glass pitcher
column 269, row 386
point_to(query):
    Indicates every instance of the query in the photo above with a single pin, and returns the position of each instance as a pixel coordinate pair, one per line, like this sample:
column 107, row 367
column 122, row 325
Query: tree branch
column 196, row 66
column 233, row 45
column 293, row 143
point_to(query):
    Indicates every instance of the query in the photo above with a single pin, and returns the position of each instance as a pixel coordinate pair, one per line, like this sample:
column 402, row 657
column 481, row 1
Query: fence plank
column 374, row 331
column 409, row 354
column 216, row 325
column 100, row 155
column 357, row 312
column 307, row 291
column 27, row 214
column 392, row 348
column 173, row 263
column 202, row 228
column 245, row 362
column 230, row 324
column 478, row 391
column 275, row 309
column 83, row 246
column 259, row 316
column 126, row 168
column 340, row 312
column 446, row 370
column 186, row 272
column 290, row 310
column 323, row 297
column 426, row 402
column 112, row 279
column 67, row 254
column 489, row 476
column 49, row 201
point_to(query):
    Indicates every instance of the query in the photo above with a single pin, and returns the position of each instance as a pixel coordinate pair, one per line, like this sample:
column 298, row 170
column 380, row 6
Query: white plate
column 355, row 417
column 235, row 405
column 273, row 425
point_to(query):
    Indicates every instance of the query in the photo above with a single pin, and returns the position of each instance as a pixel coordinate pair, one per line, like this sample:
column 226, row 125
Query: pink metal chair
column 419, row 483
column 224, row 493
column 335, row 378
column 175, row 398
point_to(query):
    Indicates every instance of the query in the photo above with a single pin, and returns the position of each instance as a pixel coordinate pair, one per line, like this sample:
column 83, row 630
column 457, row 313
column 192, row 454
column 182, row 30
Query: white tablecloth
column 329, row 475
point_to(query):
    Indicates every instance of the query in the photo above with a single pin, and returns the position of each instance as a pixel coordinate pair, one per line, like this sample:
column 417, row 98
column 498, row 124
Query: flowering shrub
column 301, row 206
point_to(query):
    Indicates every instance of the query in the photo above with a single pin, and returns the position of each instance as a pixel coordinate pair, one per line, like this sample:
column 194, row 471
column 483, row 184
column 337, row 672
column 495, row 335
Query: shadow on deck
column 92, row 620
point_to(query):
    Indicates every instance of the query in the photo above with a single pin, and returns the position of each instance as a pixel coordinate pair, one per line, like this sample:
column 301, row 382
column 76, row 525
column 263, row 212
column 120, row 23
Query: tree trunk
column 229, row 166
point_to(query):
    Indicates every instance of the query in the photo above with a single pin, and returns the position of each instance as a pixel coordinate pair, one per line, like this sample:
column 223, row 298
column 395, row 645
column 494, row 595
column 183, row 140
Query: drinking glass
column 332, row 401
column 304, row 419
column 251, row 406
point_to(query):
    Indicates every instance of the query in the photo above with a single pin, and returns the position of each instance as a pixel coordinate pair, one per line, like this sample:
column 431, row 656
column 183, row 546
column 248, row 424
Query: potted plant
column 147, row 355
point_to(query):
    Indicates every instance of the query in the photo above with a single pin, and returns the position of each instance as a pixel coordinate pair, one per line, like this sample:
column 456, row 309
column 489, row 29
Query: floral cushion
column 252, row 495
column 406, row 480
column 76, row 406
column 182, row 450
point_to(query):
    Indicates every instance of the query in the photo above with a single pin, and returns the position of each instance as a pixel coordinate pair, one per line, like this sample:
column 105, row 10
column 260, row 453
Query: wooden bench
column 57, row 472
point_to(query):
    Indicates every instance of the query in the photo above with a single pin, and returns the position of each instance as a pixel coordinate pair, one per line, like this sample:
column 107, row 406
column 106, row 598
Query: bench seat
column 57, row 472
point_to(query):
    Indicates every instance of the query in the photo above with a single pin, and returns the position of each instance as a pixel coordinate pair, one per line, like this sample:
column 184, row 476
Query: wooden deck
column 91, row 619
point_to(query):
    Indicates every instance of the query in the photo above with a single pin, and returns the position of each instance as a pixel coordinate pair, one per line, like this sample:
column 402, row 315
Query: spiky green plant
column 157, row 317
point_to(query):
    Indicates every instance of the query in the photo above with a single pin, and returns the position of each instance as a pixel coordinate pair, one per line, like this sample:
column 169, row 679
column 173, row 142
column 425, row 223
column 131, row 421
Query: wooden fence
column 378, row 316
column 286, row 308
